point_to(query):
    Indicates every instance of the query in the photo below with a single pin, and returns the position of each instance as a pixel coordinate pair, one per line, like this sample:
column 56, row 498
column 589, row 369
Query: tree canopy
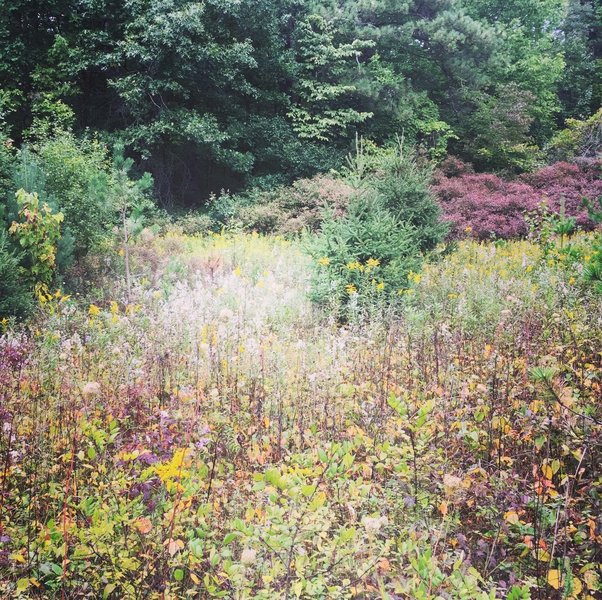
column 227, row 93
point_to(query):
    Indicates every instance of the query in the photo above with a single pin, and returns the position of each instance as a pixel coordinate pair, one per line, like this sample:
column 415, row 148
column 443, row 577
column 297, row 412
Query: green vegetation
column 224, row 94
column 300, row 299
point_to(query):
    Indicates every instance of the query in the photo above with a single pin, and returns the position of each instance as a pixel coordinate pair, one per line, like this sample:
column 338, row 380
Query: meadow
column 220, row 436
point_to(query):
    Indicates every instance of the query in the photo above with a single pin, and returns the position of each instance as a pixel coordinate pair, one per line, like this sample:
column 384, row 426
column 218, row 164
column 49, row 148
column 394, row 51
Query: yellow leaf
column 547, row 471
column 511, row 517
column 18, row 558
column 591, row 579
column 542, row 555
column 318, row 501
column 554, row 578
column 443, row 508
column 577, row 587
column 195, row 579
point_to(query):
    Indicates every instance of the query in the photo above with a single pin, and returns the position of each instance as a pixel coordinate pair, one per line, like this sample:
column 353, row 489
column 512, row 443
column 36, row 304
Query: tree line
column 235, row 93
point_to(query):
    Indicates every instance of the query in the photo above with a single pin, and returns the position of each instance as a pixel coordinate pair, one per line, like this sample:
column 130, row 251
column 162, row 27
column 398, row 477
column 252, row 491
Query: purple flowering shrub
column 485, row 205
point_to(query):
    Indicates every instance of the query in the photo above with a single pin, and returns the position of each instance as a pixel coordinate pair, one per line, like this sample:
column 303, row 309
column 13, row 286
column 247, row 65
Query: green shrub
column 403, row 188
column 366, row 258
column 16, row 296
column 6, row 170
column 578, row 139
column 77, row 175
column 283, row 210
column 363, row 259
column 37, row 231
column 592, row 270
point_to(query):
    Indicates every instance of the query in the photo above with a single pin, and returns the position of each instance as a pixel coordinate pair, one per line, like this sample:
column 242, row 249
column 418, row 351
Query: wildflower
column 324, row 261
column 529, row 268
column 380, row 286
column 355, row 266
column 114, row 307
column 372, row 525
column 91, row 389
column 572, row 280
column 248, row 556
column 467, row 229
column 372, row 263
column 414, row 277
column 350, row 289
column 94, row 310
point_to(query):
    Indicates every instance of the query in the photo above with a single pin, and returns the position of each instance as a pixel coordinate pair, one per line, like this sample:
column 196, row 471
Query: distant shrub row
column 479, row 205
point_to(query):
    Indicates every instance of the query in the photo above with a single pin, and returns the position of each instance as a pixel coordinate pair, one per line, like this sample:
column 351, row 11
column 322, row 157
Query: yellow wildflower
column 324, row 261
column 355, row 265
column 350, row 289
column 93, row 310
column 372, row 262
column 414, row 277
column 380, row 286
column 114, row 307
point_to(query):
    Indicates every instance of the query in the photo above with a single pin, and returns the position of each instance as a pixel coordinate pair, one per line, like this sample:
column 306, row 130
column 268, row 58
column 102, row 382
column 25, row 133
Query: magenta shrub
column 483, row 205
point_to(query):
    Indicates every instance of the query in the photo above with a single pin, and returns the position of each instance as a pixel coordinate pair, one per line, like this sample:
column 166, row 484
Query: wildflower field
column 219, row 436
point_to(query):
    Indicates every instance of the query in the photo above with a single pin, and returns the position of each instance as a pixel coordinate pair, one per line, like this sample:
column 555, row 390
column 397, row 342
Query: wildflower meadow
column 220, row 436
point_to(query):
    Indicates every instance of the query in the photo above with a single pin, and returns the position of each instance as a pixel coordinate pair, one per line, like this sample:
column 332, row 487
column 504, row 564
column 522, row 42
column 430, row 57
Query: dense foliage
column 301, row 299
column 366, row 256
column 221, row 93
column 485, row 205
column 63, row 198
column 217, row 437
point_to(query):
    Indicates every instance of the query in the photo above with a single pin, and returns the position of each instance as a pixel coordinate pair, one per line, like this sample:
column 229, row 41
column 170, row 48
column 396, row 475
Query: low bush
column 77, row 176
column 485, row 205
column 578, row 139
column 16, row 297
column 284, row 210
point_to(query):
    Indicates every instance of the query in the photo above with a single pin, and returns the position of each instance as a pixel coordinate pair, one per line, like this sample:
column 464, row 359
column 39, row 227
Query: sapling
column 130, row 202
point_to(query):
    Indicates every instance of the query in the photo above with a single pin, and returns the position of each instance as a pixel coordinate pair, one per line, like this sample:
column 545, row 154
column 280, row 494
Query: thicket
column 62, row 198
column 484, row 205
column 225, row 95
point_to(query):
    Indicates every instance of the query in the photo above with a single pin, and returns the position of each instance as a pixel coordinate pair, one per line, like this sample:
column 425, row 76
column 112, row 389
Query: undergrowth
column 217, row 436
